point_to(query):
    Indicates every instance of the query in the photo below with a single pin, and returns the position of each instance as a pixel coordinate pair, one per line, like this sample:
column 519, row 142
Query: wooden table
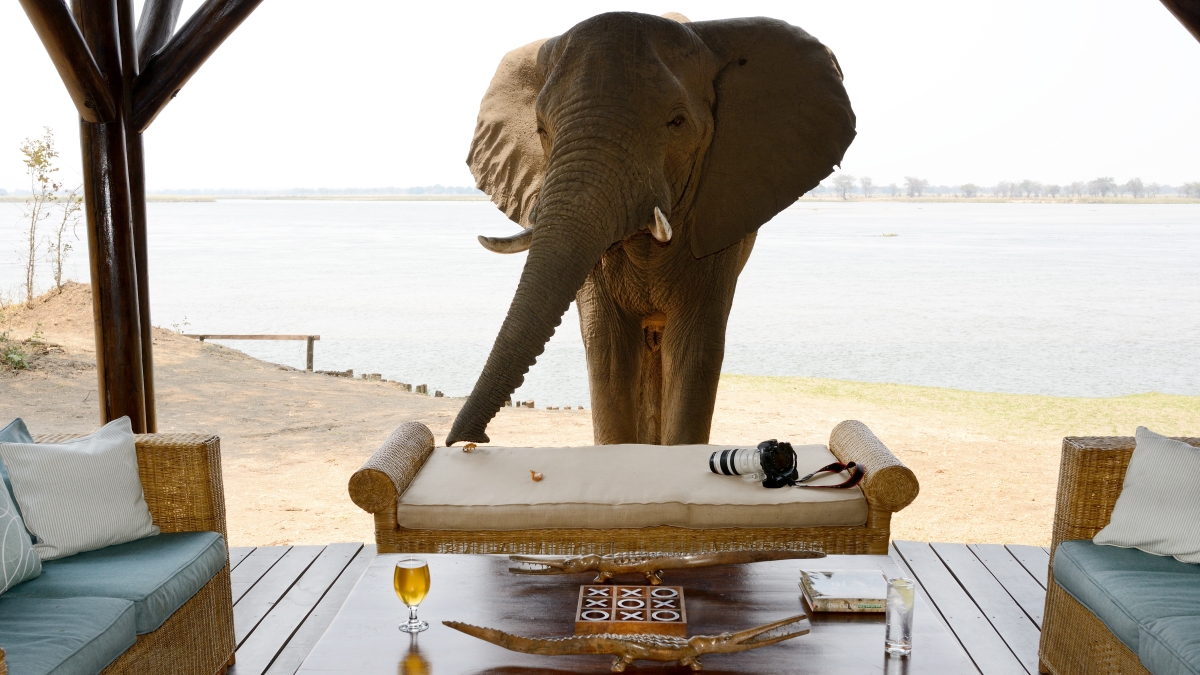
column 477, row 589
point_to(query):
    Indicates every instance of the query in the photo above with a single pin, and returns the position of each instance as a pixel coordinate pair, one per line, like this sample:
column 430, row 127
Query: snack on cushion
column 1159, row 508
column 82, row 494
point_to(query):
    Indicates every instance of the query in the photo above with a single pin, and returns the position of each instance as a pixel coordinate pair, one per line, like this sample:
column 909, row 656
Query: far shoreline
column 934, row 199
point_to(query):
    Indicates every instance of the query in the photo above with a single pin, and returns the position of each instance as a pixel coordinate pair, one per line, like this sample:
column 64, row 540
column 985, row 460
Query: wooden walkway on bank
column 990, row 595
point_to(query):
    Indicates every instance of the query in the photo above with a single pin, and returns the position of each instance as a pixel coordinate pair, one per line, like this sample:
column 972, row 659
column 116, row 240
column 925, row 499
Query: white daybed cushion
column 1158, row 510
column 82, row 494
column 613, row 486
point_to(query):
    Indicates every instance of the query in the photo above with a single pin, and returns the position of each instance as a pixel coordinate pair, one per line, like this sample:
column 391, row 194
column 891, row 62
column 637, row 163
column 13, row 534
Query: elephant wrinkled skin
column 641, row 154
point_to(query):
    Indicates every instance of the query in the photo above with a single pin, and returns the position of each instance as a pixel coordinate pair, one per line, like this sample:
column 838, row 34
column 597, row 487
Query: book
column 844, row 590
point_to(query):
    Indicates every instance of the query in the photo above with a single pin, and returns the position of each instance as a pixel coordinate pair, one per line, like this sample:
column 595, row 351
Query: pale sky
column 365, row 93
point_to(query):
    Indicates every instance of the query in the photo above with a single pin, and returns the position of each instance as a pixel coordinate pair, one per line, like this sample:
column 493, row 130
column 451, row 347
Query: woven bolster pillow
column 386, row 475
column 888, row 484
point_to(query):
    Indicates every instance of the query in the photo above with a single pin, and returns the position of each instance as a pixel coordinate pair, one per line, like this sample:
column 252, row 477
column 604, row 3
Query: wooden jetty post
column 119, row 79
column 308, row 338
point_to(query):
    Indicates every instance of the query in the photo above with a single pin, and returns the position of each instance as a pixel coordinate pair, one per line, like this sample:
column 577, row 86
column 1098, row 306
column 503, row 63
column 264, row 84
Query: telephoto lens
column 772, row 462
column 735, row 462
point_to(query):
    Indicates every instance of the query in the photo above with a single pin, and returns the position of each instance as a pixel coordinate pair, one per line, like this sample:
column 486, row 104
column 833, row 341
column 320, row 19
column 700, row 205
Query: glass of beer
column 412, row 583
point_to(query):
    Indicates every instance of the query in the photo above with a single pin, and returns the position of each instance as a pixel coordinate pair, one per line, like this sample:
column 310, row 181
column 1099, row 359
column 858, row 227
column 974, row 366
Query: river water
column 1063, row 299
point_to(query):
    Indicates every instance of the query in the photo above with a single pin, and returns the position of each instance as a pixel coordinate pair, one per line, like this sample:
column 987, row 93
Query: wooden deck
column 990, row 595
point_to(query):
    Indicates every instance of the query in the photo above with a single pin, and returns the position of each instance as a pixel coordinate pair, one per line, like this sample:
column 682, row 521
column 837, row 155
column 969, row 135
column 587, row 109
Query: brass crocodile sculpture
column 649, row 647
column 649, row 564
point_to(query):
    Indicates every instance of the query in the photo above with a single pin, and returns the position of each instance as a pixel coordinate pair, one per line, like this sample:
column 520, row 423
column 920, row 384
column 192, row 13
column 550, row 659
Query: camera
column 772, row 462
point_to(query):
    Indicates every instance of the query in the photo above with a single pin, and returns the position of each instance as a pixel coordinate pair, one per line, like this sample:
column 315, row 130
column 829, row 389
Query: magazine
column 844, row 590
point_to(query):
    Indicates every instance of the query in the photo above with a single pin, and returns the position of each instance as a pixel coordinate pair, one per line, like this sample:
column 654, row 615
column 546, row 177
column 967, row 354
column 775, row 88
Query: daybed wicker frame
column 1074, row 641
column 888, row 485
column 181, row 479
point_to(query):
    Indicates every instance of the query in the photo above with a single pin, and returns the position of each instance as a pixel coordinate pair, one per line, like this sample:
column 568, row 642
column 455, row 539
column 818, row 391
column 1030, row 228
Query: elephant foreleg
column 614, row 342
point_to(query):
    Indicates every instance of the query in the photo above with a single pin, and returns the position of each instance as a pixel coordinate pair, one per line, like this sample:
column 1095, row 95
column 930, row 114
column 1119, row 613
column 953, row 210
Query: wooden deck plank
column 1033, row 558
column 989, row 652
column 1015, row 579
column 262, row 645
column 1006, row 616
column 259, row 600
column 289, row 660
column 253, row 567
column 237, row 554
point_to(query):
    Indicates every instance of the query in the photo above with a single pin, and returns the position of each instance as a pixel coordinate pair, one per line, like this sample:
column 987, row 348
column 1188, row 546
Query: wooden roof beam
column 1188, row 13
column 167, row 71
column 156, row 27
column 72, row 58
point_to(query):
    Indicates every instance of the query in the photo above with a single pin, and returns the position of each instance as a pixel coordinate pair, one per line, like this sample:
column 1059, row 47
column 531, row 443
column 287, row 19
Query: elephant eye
column 678, row 121
column 541, row 131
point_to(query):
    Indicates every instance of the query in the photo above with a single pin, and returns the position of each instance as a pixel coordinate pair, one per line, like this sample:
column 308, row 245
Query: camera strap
column 856, row 476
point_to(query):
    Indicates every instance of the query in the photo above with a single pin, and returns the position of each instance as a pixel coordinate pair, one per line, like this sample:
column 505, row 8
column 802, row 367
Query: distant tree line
column 845, row 185
column 420, row 190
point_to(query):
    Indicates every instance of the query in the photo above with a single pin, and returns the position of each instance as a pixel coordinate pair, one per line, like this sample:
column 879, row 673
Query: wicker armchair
column 181, row 479
column 888, row 486
column 1091, row 475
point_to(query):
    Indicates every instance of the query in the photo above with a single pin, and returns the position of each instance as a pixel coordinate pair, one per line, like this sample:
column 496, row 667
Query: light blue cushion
column 15, row 432
column 1171, row 646
column 67, row 636
column 157, row 574
column 1131, row 591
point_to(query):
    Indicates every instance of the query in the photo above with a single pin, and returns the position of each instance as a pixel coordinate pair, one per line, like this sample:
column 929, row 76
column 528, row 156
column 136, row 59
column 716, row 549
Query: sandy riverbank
column 290, row 440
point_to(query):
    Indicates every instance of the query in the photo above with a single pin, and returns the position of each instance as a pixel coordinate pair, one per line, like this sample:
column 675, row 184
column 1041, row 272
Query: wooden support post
column 308, row 365
column 97, row 55
column 115, row 302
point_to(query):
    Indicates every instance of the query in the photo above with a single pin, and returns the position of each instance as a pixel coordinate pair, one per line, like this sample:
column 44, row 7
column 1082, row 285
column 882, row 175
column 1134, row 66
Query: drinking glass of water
column 900, row 600
column 411, row 581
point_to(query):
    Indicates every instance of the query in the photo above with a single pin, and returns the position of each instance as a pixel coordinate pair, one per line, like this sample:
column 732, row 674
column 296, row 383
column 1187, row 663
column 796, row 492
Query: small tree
column 893, row 189
column 1190, row 189
column 1075, row 189
column 1051, row 191
column 969, row 190
column 58, row 249
column 1101, row 187
column 843, row 184
column 868, row 187
column 1153, row 190
column 39, row 164
column 915, row 187
column 1135, row 188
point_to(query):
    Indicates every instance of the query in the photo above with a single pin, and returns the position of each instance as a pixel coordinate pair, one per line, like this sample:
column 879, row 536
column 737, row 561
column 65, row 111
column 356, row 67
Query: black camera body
column 779, row 463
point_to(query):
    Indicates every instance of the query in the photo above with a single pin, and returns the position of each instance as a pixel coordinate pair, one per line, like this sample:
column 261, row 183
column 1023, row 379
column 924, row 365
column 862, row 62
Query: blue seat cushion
column 157, row 574
column 1142, row 598
column 64, row 636
column 1171, row 646
column 15, row 432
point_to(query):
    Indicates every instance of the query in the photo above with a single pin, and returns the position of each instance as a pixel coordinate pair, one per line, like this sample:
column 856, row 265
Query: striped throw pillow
column 1159, row 508
column 80, row 495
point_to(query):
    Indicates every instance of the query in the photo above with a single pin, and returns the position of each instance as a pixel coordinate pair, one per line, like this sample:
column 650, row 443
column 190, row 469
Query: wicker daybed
column 181, row 480
column 379, row 486
column 1074, row 640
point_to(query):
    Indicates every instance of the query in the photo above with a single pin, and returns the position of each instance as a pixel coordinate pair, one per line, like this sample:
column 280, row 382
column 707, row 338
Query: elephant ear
column 506, row 153
column 782, row 121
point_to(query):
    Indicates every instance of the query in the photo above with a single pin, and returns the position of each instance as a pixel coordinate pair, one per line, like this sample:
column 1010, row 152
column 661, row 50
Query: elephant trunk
column 575, row 225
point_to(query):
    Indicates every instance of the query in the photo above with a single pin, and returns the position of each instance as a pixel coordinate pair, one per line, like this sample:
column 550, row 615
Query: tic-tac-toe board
column 631, row 609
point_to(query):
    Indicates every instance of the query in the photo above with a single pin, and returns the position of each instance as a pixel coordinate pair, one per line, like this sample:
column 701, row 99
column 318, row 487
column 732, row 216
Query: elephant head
column 695, row 132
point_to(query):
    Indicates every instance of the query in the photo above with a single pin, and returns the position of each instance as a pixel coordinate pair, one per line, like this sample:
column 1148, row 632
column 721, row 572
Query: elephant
column 640, row 154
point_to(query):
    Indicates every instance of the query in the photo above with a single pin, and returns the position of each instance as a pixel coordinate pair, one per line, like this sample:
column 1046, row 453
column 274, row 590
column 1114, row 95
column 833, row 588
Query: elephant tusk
column 515, row 244
column 660, row 228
